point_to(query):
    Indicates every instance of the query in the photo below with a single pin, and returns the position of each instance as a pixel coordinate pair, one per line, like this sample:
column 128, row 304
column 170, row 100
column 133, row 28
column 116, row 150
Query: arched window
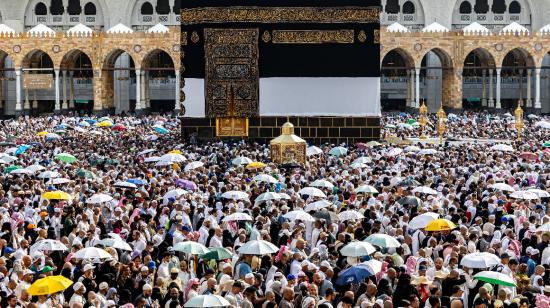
column 57, row 7
column 392, row 7
column 74, row 7
column 89, row 9
column 499, row 7
column 163, row 7
column 481, row 7
column 465, row 8
column 177, row 7
column 40, row 9
column 146, row 9
column 515, row 8
column 408, row 8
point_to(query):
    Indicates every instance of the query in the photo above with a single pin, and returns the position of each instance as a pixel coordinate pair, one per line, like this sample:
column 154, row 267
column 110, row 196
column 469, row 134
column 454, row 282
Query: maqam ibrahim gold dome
column 288, row 148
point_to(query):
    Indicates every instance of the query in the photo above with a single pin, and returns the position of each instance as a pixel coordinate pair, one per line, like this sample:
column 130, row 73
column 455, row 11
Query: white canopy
column 545, row 30
column 435, row 27
column 6, row 29
column 514, row 28
column 475, row 28
column 120, row 28
column 158, row 28
column 397, row 27
column 41, row 29
column 80, row 29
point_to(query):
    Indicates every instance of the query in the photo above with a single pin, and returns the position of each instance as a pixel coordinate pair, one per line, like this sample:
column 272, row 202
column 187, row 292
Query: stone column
column 142, row 93
column 412, row 86
column 520, row 87
column 26, row 104
column 483, row 88
column 18, row 90
column 147, row 90
column 138, row 90
column 64, row 104
column 2, row 90
column 178, row 84
column 57, row 96
column 491, row 102
column 538, row 105
column 528, row 100
column 417, row 91
column 498, row 105
column 71, row 90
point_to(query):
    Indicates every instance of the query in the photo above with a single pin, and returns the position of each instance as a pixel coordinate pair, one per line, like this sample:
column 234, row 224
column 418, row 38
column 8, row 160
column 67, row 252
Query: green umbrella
column 411, row 121
column 11, row 168
column 546, row 144
column 219, row 253
column 382, row 240
column 66, row 158
column 85, row 174
column 495, row 278
column 192, row 248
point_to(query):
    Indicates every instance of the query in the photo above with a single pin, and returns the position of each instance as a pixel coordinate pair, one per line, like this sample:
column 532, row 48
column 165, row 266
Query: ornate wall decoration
column 17, row 48
column 362, row 36
column 376, row 36
column 418, row 47
column 266, row 37
column 280, row 15
column 195, row 37
column 312, row 36
column 231, row 57
column 56, row 48
column 137, row 48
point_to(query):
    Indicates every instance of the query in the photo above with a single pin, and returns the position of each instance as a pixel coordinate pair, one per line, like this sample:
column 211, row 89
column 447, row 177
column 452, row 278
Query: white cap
column 88, row 267
column 147, row 287
column 77, row 286
column 249, row 275
column 103, row 286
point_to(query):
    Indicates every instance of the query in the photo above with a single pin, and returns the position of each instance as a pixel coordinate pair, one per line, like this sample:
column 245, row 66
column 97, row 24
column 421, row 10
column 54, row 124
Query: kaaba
column 249, row 66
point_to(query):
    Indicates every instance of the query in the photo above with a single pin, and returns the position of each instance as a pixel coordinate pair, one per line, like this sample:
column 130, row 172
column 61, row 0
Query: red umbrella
column 361, row 145
column 529, row 156
column 119, row 127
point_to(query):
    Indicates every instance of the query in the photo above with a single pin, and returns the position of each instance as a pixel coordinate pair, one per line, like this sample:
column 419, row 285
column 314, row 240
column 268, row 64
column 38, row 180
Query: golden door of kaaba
column 232, row 79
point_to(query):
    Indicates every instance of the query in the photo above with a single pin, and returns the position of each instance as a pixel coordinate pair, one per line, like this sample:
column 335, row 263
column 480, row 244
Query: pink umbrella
column 186, row 184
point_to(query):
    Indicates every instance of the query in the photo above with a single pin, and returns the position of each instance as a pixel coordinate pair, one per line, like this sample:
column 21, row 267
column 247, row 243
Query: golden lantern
column 441, row 123
column 423, row 119
column 518, row 113
column 288, row 148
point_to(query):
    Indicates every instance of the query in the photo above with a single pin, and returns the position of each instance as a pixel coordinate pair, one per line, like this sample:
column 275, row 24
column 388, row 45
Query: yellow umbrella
column 42, row 133
column 49, row 285
column 256, row 165
column 175, row 152
column 105, row 124
column 56, row 195
column 440, row 225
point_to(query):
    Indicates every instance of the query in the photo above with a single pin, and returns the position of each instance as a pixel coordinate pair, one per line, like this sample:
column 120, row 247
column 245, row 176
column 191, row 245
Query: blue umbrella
column 161, row 130
column 61, row 126
column 91, row 121
column 20, row 150
column 136, row 181
column 355, row 274
column 84, row 124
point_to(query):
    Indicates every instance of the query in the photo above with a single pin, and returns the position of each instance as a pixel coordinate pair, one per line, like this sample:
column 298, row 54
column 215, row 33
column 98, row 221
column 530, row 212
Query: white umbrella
column 152, row 159
column 323, row 184
column 58, row 181
column 313, row 150
column 425, row 190
column 374, row 265
column 174, row 193
column 394, row 152
column 366, row 189
column 205, row 301
column 502, row 186
column 298, row 215
column 190, row 247
column 267, row 196
column 350, row 215
column 146, row 152
column 257, row 247
column 265, row 178
column 235, row 195
column 193, row 165
column 117, row 243
column 99, row 198
column 480, row 260
column 357, row 249
column 427, row 152
column 238, row 217
column 284, row 196
column 53, row 136
column 49, row 175
column 496, row 278
column 363, row 160
column 358, row 166
column 98, row 255
column 502, row 148
column 241, row 161
column 543, row 228
column 124, row 184
column 35, row 168
column 172, row 158
column 525, row 195
column 412, row 148
column 48, row 245
column 338, row 151
column 317, row 205
column 22, row 171
column 312, row 192
column 543, row 124
column 539, row 192
column 422, row 220
column 382, row 240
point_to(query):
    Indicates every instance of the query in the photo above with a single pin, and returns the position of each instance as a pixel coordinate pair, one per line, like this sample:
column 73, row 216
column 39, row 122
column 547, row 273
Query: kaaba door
column 232, row 79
